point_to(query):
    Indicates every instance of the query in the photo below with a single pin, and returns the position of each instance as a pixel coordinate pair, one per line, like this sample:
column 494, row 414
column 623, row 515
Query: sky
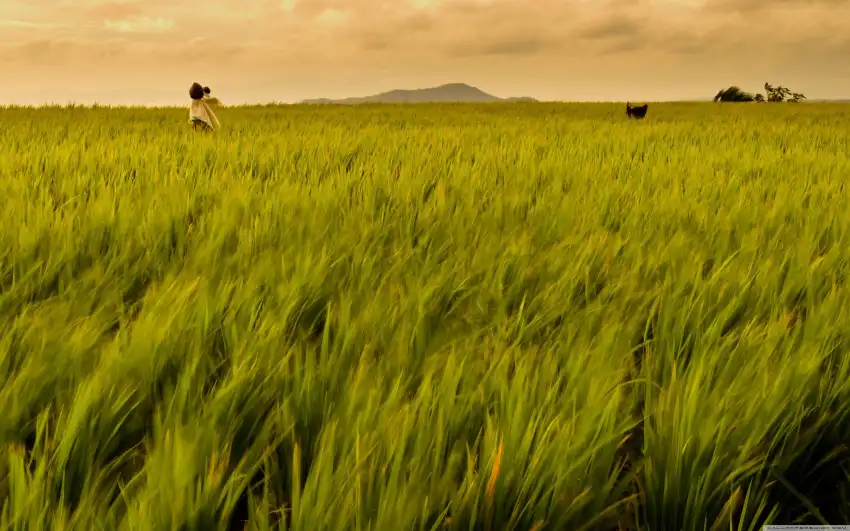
column 148, row 52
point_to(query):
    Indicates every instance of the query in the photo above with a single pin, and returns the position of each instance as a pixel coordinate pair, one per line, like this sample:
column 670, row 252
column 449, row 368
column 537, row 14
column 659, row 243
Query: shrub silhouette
column 734, row 94
column 772, row 94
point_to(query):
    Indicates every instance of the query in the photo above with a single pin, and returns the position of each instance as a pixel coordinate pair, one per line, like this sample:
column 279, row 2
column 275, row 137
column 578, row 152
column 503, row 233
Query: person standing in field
column 200, row 115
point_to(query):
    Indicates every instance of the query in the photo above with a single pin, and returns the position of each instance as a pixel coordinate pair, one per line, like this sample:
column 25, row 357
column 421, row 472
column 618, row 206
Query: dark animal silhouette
column 637, row 113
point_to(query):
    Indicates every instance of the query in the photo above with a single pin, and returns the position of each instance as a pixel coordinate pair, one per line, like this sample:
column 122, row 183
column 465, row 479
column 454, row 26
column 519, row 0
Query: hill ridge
column 447, row 93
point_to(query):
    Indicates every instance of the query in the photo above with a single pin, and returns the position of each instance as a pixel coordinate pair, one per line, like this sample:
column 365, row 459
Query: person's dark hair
column 206, row 90
column 196, row 91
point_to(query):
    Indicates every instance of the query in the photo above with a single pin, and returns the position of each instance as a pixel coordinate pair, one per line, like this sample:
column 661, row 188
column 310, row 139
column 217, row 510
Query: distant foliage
column 772, row 94
column 776, row 94
column 734, row 93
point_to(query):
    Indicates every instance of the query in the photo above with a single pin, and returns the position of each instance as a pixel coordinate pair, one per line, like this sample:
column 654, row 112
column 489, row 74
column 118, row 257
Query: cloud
column 44, row 51
column 333, row 17
column 459, row 28
column 335, row 43
column 749, row 7
column 211, row 50
column 512, row 45
column 618, row 26
column 116, row 10
column 10, row 23
column 139, row 25
column 684, row 43
column 518, row 46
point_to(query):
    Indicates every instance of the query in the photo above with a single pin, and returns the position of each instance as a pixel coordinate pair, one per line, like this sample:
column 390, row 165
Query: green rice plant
column 495, row 316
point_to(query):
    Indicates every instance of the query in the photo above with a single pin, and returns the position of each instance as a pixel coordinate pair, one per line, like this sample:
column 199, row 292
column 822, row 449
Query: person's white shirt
column 199, row 110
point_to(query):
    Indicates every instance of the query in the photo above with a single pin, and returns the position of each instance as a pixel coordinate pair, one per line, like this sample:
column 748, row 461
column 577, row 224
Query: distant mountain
column 453, row 92
column 831, row 101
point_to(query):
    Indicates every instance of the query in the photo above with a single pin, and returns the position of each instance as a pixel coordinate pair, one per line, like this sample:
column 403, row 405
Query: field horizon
column 273, row 104
column 529, row 316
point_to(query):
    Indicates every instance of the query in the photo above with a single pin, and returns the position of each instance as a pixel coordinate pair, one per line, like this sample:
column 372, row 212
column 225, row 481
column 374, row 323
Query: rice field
column 426, row 317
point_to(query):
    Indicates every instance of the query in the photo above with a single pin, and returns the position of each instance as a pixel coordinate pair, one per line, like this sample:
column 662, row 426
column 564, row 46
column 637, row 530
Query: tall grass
column 524, row 316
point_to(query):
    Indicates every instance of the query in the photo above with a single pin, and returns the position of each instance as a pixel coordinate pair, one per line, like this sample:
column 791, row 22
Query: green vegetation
column 735, row 94
column 496, row 316
column 772, row 94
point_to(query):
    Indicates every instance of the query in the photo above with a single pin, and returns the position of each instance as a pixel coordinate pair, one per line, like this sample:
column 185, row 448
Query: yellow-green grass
column 503, row 316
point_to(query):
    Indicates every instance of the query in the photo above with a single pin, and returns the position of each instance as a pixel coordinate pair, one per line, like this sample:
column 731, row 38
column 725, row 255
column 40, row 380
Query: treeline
column 771, row 94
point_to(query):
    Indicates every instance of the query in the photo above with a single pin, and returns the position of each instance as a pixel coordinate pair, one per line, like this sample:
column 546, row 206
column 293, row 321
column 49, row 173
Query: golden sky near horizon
column 150, row 51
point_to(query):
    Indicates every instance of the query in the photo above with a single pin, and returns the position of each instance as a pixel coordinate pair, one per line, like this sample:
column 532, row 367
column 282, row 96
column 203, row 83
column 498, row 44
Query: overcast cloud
column 149, row 51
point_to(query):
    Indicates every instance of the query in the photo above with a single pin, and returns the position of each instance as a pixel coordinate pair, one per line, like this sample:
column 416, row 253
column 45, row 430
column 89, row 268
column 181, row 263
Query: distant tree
column 734, row 94
column 772, row 94
column 777, row 93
